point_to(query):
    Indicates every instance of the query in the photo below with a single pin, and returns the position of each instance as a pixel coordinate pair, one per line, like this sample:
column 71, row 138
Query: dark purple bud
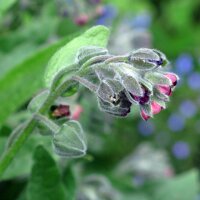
column 157, row 62
column 82, row 19
column 142, row 99
column 60, row 111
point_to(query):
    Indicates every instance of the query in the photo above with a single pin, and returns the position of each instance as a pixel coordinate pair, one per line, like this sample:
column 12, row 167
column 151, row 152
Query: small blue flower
column 181, row 150
column 146, row 128
column 142, row 20
column 194, row 81
column 188, row 108
column 109, row 14
column 176, row 122
column 184, row 64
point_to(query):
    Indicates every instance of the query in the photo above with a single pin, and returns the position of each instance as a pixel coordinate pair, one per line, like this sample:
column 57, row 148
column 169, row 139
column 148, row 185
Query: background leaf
column 96, row 36
column 183, row 187
column 24, row 80
column 5, row 5
column 45, row 180
column 69, row 183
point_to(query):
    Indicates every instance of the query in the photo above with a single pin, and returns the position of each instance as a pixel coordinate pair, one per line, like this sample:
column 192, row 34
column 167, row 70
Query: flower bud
column 157, row 78
column 165, row 89
column 105, row 73
column 128, row 78
column 82, row 19
column 147, row 59
column 70, row 141
column 144, row 98
column 144, row 115
column 60, row 111
column 155, row 109
column 173, row 77
column 146, row 111
column 109, row 91
column 121, row 110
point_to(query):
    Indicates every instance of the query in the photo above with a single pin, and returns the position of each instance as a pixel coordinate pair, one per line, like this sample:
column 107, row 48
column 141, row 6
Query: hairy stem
column 49, row 124
column 28, row 128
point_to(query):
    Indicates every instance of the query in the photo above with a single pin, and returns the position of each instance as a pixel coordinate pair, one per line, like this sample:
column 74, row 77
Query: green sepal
column 70, row 141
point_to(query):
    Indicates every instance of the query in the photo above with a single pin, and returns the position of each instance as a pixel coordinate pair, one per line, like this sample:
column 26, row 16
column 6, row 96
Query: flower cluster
column 122, row 81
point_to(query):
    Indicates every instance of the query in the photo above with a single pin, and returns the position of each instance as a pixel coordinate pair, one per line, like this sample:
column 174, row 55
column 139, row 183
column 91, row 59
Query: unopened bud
column 70, row 141
column 147, row 59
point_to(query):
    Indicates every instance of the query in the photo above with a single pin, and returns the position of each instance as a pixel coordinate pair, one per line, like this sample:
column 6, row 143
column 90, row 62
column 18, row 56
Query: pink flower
column 142, row 99
column 77, row 112
column 165, row 89
column 155, row 107
column 81, row 20
column 173, row 78
column 144, row 115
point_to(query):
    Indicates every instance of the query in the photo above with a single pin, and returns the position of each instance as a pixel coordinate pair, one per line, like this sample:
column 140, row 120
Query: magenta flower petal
column 77, row 112
column 172, row 77
column 165, row 89
column 144, row 115
column 156, row 108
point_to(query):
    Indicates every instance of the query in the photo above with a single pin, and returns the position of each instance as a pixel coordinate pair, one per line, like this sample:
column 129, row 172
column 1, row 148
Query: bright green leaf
column 96, row 36
column 5, row 5
column 69, row 183
column 45, row 181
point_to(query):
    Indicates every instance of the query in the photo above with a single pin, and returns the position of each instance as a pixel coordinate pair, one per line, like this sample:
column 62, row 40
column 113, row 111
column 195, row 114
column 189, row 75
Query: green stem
column 116, row 59
column 49, row 124
column 14, row 148
column 10, row 153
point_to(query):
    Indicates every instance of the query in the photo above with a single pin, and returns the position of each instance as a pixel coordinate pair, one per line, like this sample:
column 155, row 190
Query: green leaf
column 45, row 181
column 5, row 5
column 96, row 36
column 23, row 80
column 69, row 183
column 183, row 187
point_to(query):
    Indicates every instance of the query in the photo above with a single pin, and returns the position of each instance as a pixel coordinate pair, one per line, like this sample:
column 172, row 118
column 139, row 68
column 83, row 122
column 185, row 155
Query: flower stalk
column 119, row 82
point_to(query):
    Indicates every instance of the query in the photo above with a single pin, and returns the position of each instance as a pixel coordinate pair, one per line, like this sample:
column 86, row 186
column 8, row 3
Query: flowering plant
column 118, row 82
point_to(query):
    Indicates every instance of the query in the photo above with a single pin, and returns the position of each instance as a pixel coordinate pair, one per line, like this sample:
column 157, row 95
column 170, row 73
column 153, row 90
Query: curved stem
column 116, row 59
column 91, row 86
column 10, row 153
column 49, row 124
column 95, row 59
